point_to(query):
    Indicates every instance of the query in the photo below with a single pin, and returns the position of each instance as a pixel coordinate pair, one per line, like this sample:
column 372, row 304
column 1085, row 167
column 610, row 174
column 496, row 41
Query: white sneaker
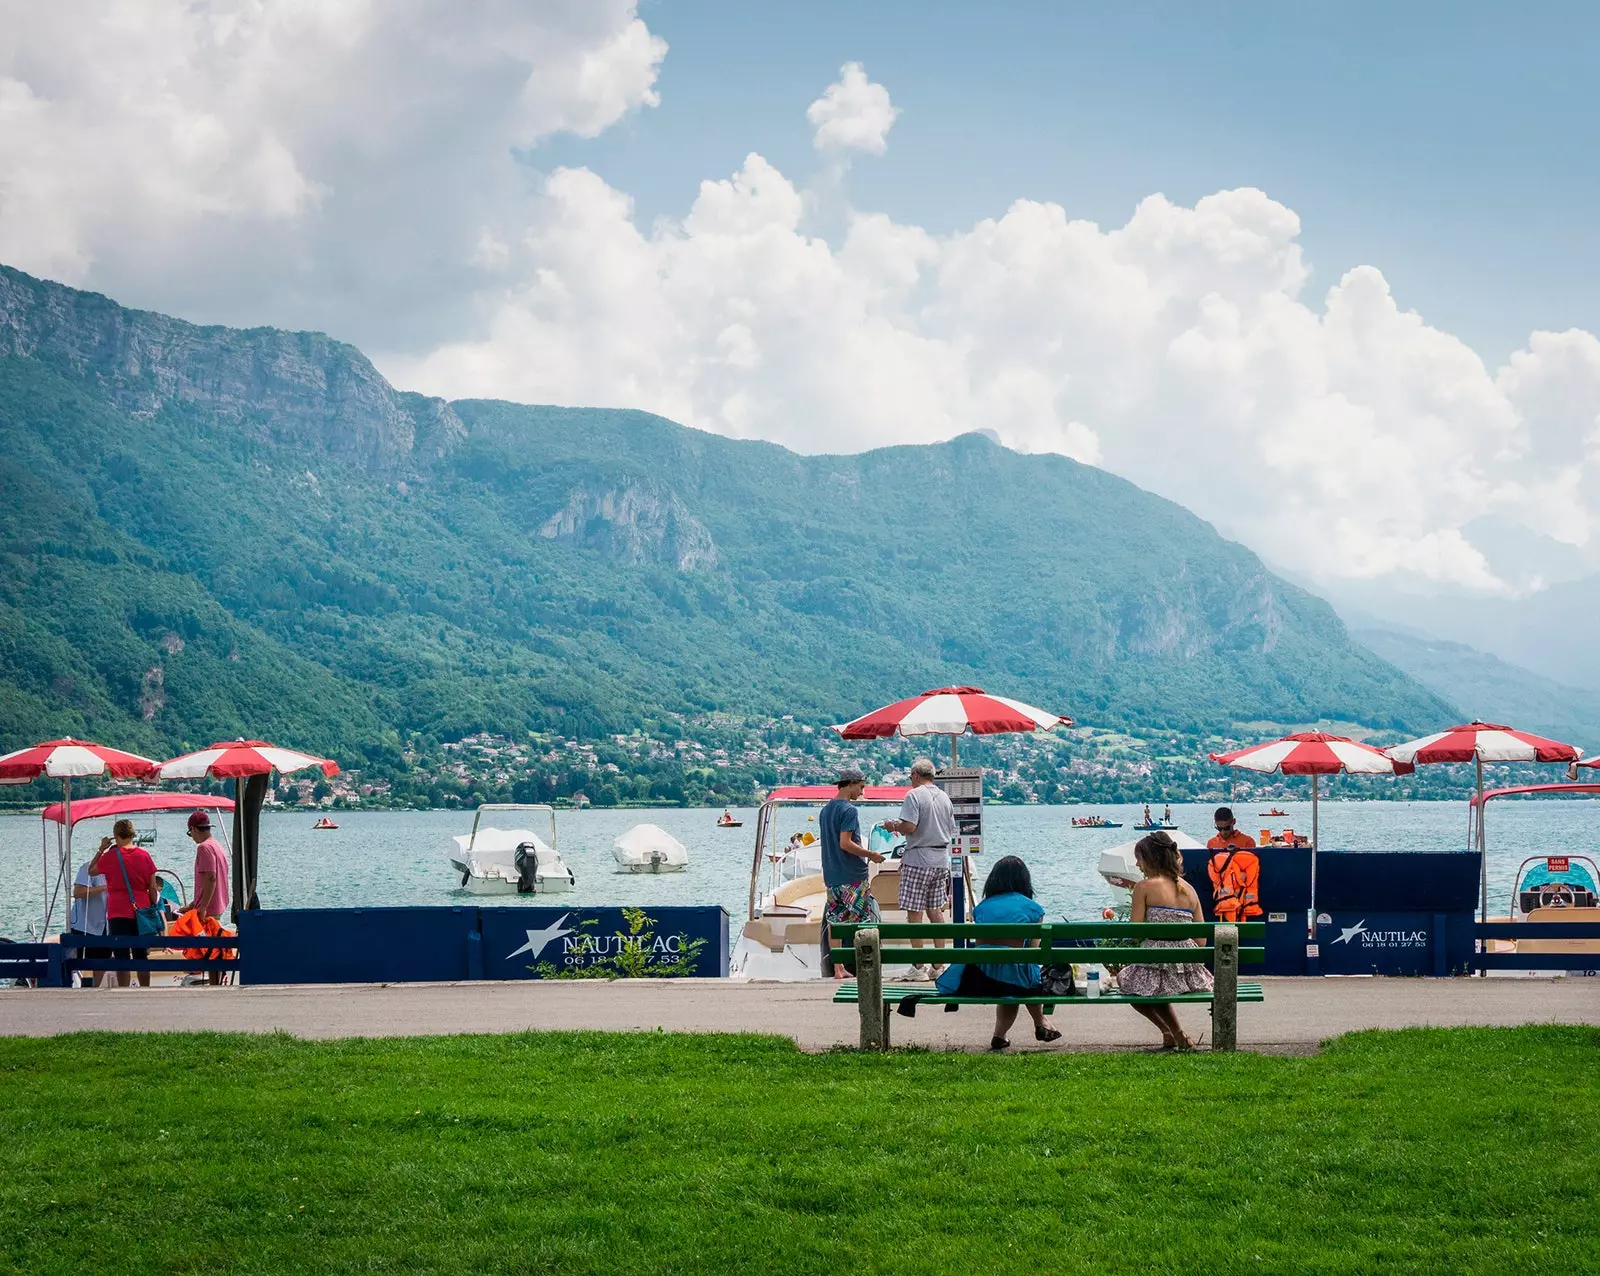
column 915, row 975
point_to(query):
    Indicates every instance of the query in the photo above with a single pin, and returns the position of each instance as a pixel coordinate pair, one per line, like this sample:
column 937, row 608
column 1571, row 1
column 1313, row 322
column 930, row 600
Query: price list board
column 964, row 787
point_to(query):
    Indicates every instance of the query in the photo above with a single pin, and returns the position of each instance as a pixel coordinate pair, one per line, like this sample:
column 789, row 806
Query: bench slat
column 1048, row 956
column 847, row 994
column 1056, row 930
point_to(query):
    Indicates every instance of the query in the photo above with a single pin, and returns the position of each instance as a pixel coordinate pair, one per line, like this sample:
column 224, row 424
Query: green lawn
column 1463, row 1150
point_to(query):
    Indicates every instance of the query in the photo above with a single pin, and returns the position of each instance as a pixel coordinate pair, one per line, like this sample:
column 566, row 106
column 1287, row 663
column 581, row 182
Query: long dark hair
column 1161, row 854
column 1009, row 876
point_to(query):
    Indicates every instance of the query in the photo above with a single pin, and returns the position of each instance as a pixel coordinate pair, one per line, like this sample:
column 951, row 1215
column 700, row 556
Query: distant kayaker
column 844, row 863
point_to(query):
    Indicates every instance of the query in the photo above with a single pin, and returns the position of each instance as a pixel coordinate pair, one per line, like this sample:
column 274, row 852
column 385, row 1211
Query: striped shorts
column 923, row 888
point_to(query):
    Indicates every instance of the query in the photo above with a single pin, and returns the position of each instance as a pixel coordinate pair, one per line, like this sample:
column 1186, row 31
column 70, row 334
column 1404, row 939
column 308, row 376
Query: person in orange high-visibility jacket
column 1235, row 871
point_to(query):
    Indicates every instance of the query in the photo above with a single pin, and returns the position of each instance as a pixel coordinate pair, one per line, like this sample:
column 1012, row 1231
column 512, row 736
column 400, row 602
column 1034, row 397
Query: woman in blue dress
column 1007, row 898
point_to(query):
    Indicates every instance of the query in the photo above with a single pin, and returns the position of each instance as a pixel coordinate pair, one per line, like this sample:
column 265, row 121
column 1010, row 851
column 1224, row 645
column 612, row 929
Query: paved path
column 1296, row 1016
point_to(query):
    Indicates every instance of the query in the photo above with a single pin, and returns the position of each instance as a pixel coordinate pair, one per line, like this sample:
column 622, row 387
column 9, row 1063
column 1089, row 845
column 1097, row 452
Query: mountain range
column 209, row 531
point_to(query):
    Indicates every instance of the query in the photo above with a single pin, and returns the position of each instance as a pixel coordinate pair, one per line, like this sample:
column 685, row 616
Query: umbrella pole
column 1483, row 857
column 952, row 751
column 1312, row 929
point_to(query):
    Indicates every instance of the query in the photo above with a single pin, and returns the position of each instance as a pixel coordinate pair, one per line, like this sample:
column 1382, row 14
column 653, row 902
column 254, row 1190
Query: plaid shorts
column 923, row 888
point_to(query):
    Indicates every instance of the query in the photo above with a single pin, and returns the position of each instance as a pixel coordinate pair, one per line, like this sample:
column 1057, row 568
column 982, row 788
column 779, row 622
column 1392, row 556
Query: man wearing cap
column 844, row 863
column 211, row 871
column 929, row 823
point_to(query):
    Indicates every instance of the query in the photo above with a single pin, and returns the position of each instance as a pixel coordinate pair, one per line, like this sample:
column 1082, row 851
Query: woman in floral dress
column 1164, row 896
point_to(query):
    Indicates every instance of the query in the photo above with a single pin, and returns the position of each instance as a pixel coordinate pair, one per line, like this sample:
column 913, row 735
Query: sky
column 1323, row 273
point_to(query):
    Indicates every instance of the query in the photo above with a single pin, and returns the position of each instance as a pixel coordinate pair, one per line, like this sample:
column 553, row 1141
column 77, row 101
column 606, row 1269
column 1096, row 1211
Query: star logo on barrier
column 1345, row 935
column 538, row 940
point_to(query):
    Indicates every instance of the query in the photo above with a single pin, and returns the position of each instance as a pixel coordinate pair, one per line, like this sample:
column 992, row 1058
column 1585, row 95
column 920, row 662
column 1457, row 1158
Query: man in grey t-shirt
column 929, row 824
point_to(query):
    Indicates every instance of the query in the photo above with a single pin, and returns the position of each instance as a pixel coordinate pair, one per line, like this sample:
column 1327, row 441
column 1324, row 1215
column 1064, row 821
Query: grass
column 1424, row 1150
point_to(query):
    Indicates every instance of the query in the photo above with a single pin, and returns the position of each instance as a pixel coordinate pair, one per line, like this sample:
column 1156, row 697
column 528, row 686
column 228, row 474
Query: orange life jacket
column 1235, row 884
column 190, row 924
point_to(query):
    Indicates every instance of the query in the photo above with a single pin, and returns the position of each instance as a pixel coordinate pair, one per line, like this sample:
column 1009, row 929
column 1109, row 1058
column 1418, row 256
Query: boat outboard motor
column 526, row 858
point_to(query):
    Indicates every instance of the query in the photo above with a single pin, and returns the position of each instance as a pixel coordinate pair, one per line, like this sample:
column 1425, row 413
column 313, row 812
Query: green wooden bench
column 1114, row 944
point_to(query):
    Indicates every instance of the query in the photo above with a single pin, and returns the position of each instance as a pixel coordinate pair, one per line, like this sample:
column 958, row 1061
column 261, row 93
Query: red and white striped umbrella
column 951, row 711
column 1482, row 742
column 233, row 759
column 71, row 759
column 1313, row 753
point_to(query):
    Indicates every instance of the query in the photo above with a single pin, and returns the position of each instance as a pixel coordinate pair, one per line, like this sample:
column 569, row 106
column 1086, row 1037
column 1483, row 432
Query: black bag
column 1057, row 981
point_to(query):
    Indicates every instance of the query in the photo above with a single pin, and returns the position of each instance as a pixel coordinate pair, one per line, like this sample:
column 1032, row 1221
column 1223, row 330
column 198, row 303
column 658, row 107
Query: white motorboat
column 649, row 848
column 1122, row 874
column 516, row 861
column 782, row 939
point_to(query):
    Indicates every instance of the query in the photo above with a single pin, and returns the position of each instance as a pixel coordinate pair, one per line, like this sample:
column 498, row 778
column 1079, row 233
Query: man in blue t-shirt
column 844, row 864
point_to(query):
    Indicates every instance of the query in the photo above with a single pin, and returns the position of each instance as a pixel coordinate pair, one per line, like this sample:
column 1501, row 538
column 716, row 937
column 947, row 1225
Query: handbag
column 148, row 921
column 1057, row 980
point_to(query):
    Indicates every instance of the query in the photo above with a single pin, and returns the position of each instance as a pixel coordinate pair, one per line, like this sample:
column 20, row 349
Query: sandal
column 1190, row 1043
column 1047, row 1034
column 996, row 1044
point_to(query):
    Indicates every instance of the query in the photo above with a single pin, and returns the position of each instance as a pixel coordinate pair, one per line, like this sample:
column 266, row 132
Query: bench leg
column 869, row 990
column 1225, row 1006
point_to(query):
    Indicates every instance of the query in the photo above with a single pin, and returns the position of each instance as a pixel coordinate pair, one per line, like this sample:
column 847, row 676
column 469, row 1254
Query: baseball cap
column 199, row 820
column 850, row 776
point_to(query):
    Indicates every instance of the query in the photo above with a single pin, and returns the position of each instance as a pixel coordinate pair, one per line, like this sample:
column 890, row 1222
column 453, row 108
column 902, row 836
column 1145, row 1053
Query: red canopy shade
column 135, row 804
column 70, row 759
column 951, row 711
column 826, row 792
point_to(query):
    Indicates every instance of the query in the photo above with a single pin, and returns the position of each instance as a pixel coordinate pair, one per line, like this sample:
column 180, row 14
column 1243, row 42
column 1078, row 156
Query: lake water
column 386, row 858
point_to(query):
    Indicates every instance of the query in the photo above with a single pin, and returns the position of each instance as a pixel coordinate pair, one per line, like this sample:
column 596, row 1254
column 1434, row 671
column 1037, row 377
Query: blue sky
column 1448, row 144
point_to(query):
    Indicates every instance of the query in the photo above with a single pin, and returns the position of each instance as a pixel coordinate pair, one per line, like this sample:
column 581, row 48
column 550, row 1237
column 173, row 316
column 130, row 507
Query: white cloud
column 347, row 165
column 853, row 114
column 322, row 163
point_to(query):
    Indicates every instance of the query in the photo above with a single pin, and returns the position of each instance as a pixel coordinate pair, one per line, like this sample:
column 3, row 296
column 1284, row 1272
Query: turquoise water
column 386, row 858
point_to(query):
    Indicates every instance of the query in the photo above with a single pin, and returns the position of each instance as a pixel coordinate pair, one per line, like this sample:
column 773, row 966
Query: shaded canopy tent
column 67, row 817
column 951, row 711
column 68, row 759
column 1479, row 742
column 1313, row 753
column 247, row 763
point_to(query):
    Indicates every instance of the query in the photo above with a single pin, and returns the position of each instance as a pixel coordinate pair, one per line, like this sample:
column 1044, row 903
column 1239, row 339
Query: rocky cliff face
column 303, row 389
column 642, row 522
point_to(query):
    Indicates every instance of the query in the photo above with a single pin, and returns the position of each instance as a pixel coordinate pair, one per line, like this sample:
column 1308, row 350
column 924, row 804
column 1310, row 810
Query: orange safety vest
column 190, row 925
column 1235, row 884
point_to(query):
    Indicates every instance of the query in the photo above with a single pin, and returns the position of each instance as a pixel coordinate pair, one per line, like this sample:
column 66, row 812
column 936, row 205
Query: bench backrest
column 1106, row 943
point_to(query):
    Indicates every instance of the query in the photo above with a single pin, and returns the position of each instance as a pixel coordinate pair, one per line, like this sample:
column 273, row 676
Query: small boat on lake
column 324, row 823
column 1273, row 814
column 1094, row 822
column 649, row 848
column 1148, row 828
column 726, row 821
column 495, row 861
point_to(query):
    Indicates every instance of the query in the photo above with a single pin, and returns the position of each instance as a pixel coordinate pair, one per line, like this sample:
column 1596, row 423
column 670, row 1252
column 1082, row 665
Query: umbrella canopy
column 1479, row 742
column 71, row 759
column 951, row 711
column 1313, row 753
column 1482, row 742
column 230, row 759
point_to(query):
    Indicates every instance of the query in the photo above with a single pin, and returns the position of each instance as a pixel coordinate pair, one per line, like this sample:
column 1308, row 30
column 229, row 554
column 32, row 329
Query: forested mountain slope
column 206, row 531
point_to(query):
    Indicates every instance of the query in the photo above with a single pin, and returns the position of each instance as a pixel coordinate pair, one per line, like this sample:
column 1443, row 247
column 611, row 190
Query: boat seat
column 789, row 892
column 1561, row 945
column 781, row 931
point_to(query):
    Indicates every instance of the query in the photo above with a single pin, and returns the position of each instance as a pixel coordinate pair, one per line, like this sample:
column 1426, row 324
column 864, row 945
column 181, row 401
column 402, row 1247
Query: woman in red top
column 126, row 866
